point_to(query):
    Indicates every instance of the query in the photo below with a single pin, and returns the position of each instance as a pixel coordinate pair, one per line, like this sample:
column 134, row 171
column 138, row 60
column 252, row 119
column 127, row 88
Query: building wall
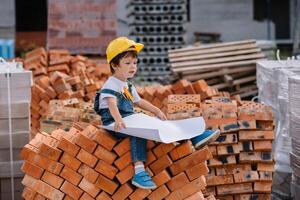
column 7, row 19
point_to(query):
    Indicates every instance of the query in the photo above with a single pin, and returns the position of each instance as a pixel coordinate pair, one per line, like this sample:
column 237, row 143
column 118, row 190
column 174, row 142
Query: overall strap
column 109, row 91
column 129, row 86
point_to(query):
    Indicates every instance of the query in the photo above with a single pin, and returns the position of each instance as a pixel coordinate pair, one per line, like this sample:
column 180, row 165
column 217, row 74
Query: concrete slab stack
column 160, row 26
column 14, row 126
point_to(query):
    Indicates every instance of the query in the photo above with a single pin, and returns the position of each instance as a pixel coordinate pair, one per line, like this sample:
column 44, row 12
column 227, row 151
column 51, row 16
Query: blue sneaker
column 143, row 180
column 205, row 138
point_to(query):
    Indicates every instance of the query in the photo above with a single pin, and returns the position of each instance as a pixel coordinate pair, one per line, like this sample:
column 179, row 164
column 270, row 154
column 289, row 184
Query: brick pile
column 58, row 75
column 88, row 163
column 63, row 113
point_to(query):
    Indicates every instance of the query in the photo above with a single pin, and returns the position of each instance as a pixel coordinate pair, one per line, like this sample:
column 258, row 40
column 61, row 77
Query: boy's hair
column 116, row 60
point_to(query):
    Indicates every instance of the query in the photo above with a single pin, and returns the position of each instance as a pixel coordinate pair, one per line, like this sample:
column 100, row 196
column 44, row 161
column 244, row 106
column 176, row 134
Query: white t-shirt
column 117, row 85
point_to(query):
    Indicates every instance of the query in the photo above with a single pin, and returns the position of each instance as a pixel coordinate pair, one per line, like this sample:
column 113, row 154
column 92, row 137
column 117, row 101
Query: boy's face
column 127, row 67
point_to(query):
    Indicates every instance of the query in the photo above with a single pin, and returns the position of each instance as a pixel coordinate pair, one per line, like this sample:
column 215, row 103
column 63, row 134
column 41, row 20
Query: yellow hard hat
column 120, row 45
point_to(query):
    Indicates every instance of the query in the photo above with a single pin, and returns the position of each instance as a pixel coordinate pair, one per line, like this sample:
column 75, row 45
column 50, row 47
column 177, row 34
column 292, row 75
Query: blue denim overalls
column 126, row 108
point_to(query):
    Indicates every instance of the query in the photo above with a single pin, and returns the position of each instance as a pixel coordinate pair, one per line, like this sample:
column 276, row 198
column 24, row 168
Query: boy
column 117, row 99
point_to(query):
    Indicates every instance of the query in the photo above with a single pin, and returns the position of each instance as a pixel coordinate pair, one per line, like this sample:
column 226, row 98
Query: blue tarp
column 7, row 48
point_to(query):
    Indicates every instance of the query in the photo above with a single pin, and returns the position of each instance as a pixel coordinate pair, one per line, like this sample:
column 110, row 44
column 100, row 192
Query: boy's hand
column 161, row 115
column 119, row 125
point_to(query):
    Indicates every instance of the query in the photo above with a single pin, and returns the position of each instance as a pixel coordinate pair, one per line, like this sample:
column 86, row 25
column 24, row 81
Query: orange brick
column 70, row 175
column 126, row 174
column 265, row 176
column 265, row 167
column 28, row 193
column 71, row 190
column 161, row 178
column 184, row 149
column 252, row 196
column 32, row 170
column 265, row 145
column 161, row 164
column 232, row 169
column 162, row 149
column 106, row 169
column 178, row 181
column 196, row 196
column 48, row 149
column 159, row 193
column 123, row 192
column 246, row 176
column 150, row 158
column 88, row 173
column 188, row 189
column 52, row 179
column 234, row 189
column 105, row 155
column 105, row 139
column 213, row 150
column 86, row 196
column 70, row 161
column 106, row 184
column 210, row 191
column 219, row 180
column 222, row 160
column 228, row 149
column 122, row 147
column 197, row 171
column 123, row 161
column 68, row 146
column 86, row 143
column 89, row 188
column 103, row 196
column 256, row 135
column 39, row 197
column 139, row 194
column 191, row 160
column 87, row 158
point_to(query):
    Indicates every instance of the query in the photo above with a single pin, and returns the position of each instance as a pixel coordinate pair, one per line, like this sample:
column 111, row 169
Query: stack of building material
column 82, row 27
column 294, row 107
column 160, row 26
column 90, row 164
column 243, row 162
column 14, row 126
column 229, row 66
column 58, row 75
column 63, row 113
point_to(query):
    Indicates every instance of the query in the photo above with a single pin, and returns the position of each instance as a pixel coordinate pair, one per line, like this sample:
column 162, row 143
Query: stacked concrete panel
column 88, row 163
column 160, row 26
column 15, row 97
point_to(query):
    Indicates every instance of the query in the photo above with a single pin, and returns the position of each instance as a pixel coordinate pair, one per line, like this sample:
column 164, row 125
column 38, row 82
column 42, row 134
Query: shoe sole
column 140, row 186
column 208, row 140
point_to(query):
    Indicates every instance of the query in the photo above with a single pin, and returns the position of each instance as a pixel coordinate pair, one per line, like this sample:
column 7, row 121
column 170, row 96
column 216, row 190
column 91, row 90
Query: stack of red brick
column 58, row 75
column 88, row 163
column 242, row 163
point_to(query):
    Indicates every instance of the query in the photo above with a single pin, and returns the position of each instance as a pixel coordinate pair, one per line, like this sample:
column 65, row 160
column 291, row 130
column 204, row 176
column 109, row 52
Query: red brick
column 105, row 139
column 178, row 181
column 232, row 169
column 89, row 188
column 106, row 169
column 196, row 196
column 48, row 149
column 52, row 179
column 123, row 192
column 197, row 171
column 103, row 196
column 86, row 143
column 162, row 149
column 71, row 190
column 86, row 196
column 246, row 176
column 150, row 158
column 32, row 170
column 70, row 161
column 139, row 194
column 183, row 150
column 262, row 187
column 68, row 146
column 161, row 164
column 159, row 193
column 219, row 180
column 88, row 173
column 190, row 161
column 122, row 147
column 105, row 155
column 234, row 189
column 265, row 167
column 123, row 161
column 87, row 158
column 70, row 175
column 39, row 197
column 265, row 145
column 106, row 184
column 188, row 189
column 228, row 149
column 28, row 193
column 252, row 196
column 126, row 174
column 161, row 178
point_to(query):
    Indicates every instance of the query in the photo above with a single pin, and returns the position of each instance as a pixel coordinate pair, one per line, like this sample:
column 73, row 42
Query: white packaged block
column 18, row 110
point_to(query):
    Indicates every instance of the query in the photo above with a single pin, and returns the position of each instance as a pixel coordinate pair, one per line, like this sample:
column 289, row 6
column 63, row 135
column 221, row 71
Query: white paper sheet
column 152, row 128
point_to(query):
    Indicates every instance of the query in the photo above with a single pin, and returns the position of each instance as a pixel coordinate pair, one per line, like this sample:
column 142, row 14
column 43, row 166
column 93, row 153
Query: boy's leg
column 205, row 138
column 141, row 177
